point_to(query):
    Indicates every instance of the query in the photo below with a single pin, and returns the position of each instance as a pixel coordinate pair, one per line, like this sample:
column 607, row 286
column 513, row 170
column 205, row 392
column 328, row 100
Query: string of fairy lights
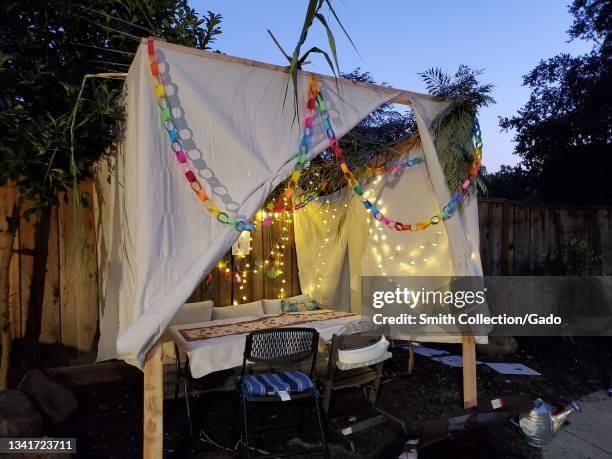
column 243, row 267
column 386, row 256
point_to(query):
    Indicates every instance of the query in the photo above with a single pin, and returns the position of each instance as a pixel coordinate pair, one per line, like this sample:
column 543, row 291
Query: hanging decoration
column 242, row 246
column 176, row 144
column 315, row 103
column 397, row 167
column 273, row 272
column 283, row 200
column 444, row 214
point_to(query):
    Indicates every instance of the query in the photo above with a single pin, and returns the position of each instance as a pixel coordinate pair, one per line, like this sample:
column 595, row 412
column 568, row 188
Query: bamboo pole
column 468, row 347
column 153, row 418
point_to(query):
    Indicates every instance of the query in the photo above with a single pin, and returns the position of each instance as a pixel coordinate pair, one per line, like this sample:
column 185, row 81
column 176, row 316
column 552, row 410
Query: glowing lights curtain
column 366, row 247
column 155, row 243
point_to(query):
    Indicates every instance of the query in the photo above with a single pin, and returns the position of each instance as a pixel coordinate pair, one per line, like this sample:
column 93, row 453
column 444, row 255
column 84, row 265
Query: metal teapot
column 540, row 425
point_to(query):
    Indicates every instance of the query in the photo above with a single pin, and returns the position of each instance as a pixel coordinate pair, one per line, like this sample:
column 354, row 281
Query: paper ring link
column 447, row 211
column 176, row 145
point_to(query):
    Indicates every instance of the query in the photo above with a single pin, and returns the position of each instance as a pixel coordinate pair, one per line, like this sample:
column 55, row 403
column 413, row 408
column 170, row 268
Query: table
column 225, row 352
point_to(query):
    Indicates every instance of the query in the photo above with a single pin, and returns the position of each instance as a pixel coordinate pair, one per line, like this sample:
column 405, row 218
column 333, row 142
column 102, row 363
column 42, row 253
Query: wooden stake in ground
column 153, row 433
column 468, row 346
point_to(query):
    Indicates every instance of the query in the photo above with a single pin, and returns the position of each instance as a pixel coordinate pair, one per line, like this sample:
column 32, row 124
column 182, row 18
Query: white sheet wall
column 352, row 245
column 155, row 243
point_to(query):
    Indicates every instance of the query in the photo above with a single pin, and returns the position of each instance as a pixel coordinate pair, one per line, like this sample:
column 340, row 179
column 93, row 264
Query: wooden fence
column 53, row 284
column 515, row 235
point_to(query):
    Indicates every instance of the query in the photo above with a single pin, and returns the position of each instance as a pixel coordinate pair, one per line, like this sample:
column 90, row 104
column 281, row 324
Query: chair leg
column 178, row 372
column 246, row 428
column 322, row 427
column 187, row 405
column 234, row 418
column 327, row 394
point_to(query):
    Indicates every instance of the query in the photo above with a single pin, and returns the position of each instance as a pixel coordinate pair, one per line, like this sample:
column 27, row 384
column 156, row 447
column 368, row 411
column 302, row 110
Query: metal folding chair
column 280, row 348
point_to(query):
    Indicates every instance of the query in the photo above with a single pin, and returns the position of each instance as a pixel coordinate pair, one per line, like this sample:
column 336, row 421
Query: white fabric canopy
column 155, row 242
column 337, row 236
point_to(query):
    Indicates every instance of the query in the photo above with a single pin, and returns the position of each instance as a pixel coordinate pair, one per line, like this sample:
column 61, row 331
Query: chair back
column 281, row 346
column 361, row 334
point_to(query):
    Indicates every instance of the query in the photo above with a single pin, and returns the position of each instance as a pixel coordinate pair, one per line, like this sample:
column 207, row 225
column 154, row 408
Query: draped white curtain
column 155, row 242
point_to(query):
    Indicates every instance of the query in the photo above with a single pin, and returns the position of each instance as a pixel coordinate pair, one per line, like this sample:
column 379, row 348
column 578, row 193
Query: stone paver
column 586, row 435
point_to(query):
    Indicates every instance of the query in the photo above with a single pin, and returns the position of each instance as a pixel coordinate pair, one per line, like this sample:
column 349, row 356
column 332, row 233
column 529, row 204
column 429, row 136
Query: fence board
column 485, row 228
column 78, row 291
column 7, row 196
column 26, row 267
column 536, row 236
column 507, row 239
column 256, row 279
column 50, row 314
column 495, row 239
column 604, row 228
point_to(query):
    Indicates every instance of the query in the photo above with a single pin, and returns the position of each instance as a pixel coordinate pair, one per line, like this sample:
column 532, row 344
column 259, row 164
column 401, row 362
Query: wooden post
column 468, row 346
column 410, row 358
column 153, row 432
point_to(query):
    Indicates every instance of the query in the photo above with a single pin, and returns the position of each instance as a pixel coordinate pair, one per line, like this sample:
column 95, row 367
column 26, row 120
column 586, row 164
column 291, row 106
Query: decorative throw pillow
column 293, row 306
column 312, row 305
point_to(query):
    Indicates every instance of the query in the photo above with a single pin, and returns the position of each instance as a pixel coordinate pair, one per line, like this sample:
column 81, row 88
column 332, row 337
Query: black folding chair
column 280, row 348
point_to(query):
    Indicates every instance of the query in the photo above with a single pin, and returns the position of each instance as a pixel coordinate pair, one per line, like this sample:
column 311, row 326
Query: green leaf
column 279, row 46
column 315, row 49
column 341, row 26
column 330, row 39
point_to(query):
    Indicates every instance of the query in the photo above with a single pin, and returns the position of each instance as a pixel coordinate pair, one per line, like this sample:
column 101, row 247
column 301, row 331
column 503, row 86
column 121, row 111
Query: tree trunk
column 7, row 237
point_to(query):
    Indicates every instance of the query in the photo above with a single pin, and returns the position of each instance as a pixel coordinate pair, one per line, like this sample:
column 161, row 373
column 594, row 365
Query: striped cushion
column 263, row 384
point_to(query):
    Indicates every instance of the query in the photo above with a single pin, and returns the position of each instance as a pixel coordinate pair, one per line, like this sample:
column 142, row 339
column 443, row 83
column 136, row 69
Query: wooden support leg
column 410, row 358
column 468, row 345
column 153, row 433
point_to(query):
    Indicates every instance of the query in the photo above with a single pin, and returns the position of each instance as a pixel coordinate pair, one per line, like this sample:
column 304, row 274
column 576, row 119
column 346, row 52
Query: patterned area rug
column 279, row 320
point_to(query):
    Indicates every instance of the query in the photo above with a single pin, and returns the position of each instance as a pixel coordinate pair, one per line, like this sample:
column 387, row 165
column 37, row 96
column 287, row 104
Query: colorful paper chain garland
column 447, row 211
column 397, row 167
column 313, row 91
column 315, row 99
column 177, row 147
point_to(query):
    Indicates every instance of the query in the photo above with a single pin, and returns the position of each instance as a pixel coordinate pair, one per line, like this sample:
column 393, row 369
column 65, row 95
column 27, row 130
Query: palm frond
column 453, row 126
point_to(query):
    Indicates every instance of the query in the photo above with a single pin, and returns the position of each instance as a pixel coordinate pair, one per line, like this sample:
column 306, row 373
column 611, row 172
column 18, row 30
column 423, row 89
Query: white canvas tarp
column 155, row 242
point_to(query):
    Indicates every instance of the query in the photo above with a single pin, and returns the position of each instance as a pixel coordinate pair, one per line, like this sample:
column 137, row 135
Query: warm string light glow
column 386, row 256
column 273, row 265
column 328, row 213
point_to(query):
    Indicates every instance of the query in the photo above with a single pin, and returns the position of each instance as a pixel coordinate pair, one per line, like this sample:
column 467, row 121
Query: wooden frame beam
column 153, row 415
column 400, row 96
column 468, row 351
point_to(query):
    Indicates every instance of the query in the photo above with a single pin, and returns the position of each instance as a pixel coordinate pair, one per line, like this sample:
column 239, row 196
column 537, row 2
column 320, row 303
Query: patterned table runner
column 280, row 320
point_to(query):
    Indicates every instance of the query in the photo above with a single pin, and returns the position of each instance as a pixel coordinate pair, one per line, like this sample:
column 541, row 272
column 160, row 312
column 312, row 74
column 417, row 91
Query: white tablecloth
column 215, row 354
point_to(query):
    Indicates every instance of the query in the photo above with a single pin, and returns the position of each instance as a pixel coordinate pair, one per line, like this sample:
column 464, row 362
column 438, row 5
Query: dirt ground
column 108, row 423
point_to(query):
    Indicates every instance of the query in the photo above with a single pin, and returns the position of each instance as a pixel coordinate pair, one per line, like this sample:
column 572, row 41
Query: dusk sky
column 398, row 39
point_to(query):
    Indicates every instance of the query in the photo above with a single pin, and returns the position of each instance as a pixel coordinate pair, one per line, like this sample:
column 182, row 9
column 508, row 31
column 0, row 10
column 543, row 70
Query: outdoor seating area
column 209, row 255
column 354, row 243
